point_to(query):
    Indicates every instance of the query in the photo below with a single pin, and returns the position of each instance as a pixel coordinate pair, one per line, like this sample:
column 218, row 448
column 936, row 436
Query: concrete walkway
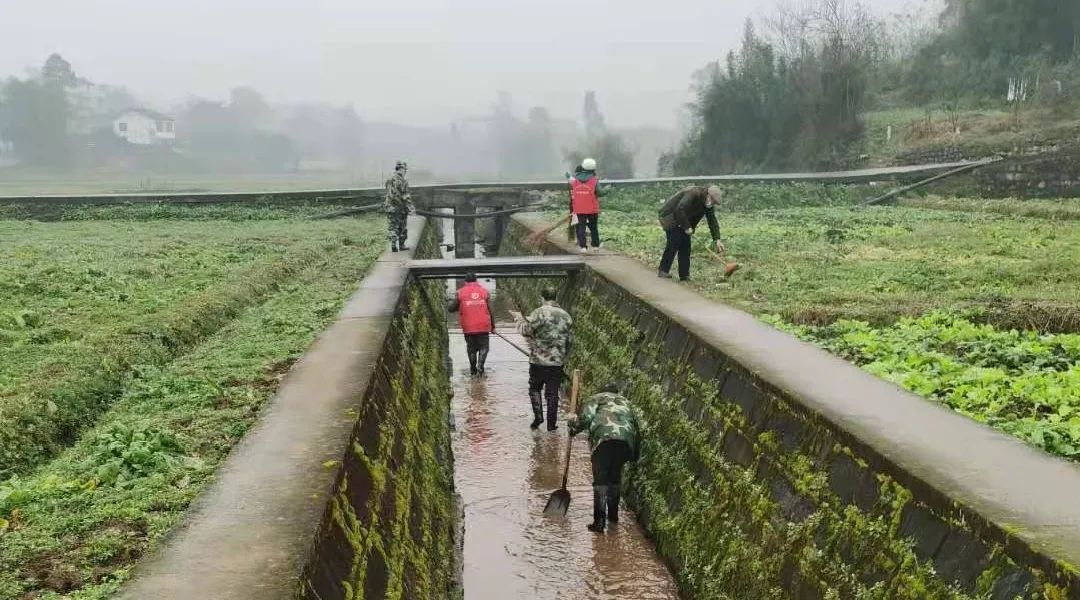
column 250, row 532
column 1028, row 494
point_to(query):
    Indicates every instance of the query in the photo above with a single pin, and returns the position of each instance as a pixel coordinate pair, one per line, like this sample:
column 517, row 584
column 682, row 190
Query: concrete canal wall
column 389, row 528
column 772, row 469
column 345, row 487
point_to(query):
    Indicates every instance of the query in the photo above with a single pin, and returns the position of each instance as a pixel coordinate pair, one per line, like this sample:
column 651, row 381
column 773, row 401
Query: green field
column 133, row 355
column 952, row 304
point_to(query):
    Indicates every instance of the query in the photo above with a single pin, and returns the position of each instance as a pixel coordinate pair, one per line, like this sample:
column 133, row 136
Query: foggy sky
column 419, row 61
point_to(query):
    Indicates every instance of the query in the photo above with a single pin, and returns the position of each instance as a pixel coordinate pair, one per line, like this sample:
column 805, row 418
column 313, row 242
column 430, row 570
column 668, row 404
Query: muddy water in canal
column 505, row 473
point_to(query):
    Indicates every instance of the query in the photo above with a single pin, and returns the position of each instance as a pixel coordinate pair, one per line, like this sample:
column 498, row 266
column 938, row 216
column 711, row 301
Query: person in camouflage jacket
column 613, row 435
column 398, row 205
column 548, row 329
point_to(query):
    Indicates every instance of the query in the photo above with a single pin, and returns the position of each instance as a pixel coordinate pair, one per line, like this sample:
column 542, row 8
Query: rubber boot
column 393, row 247
column 537, row 408
column 481, row 359
column 599, row 506
column 613, row 504
column 472, row 363
column 553, row 412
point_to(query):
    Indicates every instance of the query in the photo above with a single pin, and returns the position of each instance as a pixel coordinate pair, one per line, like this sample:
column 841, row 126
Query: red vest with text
column 583, row 200
column 472, row 304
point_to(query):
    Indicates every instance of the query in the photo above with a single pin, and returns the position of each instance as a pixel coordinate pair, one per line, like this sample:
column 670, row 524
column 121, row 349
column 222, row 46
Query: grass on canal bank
column 84, row 304
column 74, row 527
column 810, row 257
column 959, row 307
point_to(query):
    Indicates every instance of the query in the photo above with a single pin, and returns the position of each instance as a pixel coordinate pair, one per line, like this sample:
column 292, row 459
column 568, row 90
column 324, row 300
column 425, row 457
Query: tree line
column 56, row 118
column 793, row 95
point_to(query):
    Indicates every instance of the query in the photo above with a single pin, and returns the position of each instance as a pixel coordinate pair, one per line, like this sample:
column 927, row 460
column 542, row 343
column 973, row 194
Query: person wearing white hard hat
column 585, row 192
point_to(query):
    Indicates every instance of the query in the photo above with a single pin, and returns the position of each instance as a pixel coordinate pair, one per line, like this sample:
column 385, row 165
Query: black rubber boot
column 393, row 247
column 613, row 504
column 537, row 408
column 599, row 504
column 481, row 359
column 553, row 412
column 472, row 363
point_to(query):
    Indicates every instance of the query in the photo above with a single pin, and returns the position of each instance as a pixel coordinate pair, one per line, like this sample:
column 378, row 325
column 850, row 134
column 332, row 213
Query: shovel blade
column 558, row 503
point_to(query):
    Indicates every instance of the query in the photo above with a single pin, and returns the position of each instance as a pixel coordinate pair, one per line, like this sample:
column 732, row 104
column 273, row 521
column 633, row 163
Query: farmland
column 961, row 307
column 134, row 354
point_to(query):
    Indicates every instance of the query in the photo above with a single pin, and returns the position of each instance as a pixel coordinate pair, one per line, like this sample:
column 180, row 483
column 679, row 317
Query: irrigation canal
column 504, row 473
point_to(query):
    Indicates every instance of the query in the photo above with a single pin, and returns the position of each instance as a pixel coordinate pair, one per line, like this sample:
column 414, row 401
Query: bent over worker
column 585, row 192
column 398, row 204
column 613, row 436
column 679, row 217
column 548, row 330
column 477, row 321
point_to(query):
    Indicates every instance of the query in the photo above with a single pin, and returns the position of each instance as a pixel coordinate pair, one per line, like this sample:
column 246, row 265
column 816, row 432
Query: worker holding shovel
column 548, row 329
column 613, row 436
column 679, row 217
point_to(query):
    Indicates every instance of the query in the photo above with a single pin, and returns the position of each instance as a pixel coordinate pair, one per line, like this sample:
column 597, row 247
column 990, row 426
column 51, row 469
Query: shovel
column 729, row 267
column 559, row 501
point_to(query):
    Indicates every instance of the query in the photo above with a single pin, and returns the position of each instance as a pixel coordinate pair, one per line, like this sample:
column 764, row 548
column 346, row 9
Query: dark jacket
column 685, row 209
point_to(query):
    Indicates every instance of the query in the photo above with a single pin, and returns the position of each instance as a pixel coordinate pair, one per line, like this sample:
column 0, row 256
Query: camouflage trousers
column 397, row 226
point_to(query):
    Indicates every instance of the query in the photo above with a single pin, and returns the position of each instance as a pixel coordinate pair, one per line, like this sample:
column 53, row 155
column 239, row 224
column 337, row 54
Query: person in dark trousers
column 679, row 217
column 613, row 436
column 585, row 192
column 473, row 302
column 548, row 329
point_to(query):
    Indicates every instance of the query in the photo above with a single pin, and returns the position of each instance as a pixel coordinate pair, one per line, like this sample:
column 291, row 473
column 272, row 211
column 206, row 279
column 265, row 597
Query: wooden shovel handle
column 574, row 390
column 570, row 441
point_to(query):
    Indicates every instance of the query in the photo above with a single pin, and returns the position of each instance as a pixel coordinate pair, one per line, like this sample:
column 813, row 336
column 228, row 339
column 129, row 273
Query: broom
column 536, row 238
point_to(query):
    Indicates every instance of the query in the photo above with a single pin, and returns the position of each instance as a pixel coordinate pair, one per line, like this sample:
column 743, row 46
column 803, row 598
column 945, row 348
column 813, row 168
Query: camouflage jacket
column 608, row 417
column 548, row 332
column 398, row 197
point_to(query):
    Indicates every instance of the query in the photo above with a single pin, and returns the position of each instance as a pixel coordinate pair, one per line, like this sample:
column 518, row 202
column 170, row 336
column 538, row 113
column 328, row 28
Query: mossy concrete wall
column 754, row 487
column 298, row 473
column 389, row 529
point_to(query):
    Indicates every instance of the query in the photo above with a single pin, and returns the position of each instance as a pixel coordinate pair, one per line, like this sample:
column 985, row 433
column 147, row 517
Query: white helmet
column 588, row 164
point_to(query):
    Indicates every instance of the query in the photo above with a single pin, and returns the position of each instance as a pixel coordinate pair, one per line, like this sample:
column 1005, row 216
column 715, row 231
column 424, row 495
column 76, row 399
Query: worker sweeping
column 613, row 436
column 473, row 303
column 398, row 204
column 679, row 217
column 585, row 192
column 548, row 330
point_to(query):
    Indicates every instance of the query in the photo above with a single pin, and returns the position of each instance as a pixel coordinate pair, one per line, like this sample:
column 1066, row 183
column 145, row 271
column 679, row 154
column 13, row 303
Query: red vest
column 583, row 200
column 472, row 304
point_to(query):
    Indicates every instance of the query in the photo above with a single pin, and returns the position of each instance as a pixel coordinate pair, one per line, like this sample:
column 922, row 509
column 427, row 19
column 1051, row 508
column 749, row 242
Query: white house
column 144, row 127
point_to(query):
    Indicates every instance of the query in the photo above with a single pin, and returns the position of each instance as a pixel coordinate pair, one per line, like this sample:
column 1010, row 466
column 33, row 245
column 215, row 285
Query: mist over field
column 333, row 92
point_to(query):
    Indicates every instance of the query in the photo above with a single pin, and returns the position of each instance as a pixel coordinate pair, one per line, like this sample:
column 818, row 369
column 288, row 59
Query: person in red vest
column 473, row 303
column 585, row 192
